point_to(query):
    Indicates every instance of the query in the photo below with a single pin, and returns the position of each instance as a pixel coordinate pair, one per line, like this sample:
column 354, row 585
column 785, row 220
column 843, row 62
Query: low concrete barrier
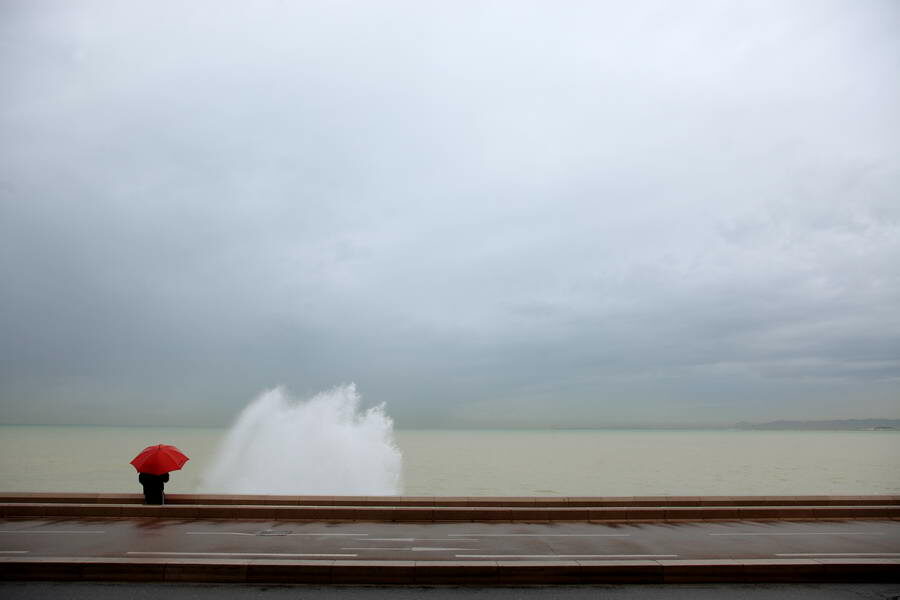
column 455, row 501
column 448, row 572
column 406, row 514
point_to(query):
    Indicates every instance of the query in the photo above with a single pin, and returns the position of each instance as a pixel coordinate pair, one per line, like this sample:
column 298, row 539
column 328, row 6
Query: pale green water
column 583, row 462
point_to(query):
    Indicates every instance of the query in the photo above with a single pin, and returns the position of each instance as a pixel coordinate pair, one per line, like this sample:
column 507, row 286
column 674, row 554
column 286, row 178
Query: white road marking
column 237, row 554
column 29, row 532
column 848, row 554
column 809, row 533
column 14, row 551
column 279, row 535
column 566, row 555
column 328, row 534
column 415, row 549
column 217, row 533
column 417, row 540
column 481, row 535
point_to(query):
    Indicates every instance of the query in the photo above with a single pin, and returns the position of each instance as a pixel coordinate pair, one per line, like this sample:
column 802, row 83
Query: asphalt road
column 144, row 538
column 116, row 591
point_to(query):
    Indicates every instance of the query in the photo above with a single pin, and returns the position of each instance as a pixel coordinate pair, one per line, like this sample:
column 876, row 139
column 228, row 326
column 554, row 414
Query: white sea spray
column 319, row 446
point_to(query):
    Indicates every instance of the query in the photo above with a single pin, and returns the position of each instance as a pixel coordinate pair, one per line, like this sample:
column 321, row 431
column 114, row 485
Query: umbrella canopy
column 159, row 459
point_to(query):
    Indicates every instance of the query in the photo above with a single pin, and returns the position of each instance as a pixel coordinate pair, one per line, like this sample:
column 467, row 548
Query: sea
column 476, row 462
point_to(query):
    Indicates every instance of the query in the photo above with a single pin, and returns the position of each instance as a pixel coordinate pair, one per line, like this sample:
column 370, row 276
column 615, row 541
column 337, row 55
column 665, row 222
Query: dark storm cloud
column 483, row 213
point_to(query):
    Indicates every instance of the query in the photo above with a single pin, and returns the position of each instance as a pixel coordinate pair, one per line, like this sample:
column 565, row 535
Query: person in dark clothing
column 153, row 487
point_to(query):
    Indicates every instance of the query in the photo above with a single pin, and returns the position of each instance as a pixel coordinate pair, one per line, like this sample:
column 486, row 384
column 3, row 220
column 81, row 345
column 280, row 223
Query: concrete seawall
column 455, row 501
column 447, row 509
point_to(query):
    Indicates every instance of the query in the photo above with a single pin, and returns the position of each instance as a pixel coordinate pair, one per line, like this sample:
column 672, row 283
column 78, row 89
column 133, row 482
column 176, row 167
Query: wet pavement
column 379, row 541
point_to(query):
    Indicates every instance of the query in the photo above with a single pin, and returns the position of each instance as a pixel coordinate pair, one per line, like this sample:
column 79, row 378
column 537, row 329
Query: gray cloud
column 503, row 213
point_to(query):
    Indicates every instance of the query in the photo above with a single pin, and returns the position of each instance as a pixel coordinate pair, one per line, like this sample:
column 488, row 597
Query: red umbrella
column 159, row 459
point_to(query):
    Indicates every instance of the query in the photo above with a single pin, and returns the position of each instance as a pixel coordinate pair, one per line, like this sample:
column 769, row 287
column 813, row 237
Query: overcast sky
column 483, row 213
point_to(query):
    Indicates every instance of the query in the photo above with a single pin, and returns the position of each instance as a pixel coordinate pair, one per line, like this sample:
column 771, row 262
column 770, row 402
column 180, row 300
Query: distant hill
column 840, row 424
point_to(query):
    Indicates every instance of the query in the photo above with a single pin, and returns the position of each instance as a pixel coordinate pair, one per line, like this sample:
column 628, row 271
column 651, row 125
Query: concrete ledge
column 448, row 572
column 456, row 501
column 412, row 514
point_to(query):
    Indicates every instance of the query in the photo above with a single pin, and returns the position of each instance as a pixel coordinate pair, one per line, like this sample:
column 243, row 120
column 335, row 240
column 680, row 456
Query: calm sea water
column 464, row 463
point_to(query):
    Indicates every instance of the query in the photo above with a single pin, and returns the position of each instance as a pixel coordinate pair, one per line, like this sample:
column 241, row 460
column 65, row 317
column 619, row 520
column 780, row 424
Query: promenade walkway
column 403, row 540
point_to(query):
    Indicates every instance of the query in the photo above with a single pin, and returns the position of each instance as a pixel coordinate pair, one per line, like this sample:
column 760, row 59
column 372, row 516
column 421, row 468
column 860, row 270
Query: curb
column 404, row 514
column 450, row 572
column 457, row 501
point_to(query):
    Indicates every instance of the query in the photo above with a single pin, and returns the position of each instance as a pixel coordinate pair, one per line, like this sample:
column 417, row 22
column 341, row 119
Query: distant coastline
column 781, row 425
column 834, row 425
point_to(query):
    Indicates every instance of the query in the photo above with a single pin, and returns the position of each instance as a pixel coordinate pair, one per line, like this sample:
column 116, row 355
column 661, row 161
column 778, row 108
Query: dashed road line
column 567, row 555
column 417, row 540
column 217, row 533
column 807, row 533
column 847, row 554
column 414, row 549
column 329, row 534
column 279, row 535
column 272, row 554
column 15, row 551
column 28, row 532
column 481, row 535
